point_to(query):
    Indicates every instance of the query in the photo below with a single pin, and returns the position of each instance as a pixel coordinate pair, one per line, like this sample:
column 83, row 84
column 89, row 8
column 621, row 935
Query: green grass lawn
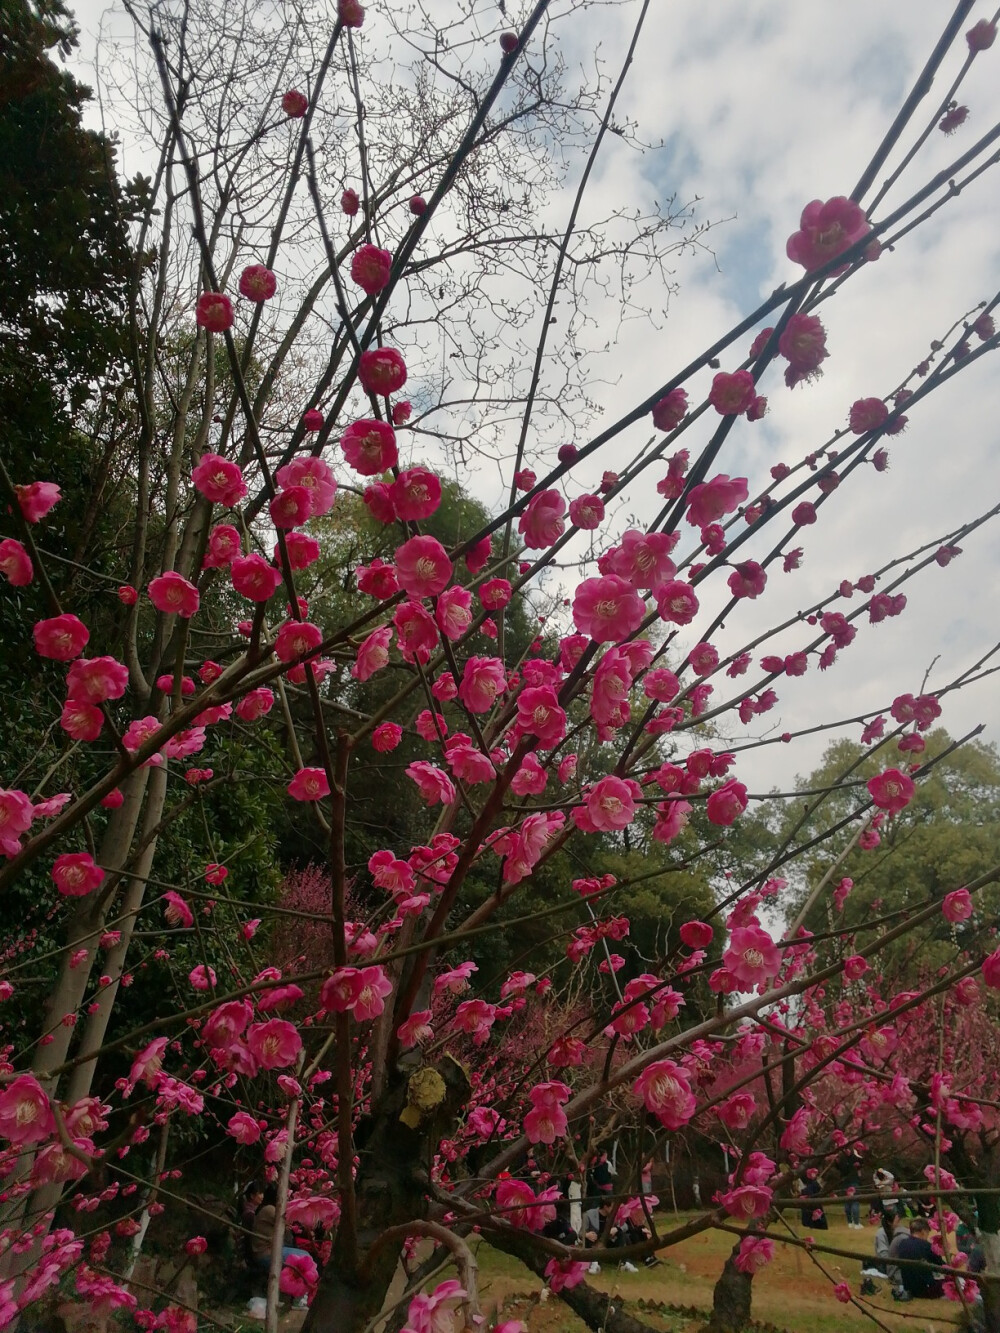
column 792, row 1292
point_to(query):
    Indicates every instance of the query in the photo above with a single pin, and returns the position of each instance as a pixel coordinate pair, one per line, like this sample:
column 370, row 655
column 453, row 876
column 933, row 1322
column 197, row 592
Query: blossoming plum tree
column 284, row 253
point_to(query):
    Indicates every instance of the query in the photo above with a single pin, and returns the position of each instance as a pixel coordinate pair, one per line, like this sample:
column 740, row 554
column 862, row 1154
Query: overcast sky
column 761, row 107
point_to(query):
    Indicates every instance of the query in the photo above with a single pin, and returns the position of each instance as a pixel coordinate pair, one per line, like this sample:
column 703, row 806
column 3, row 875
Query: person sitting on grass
column 622, row 1232
column 881, row 1266
column 918, row 1279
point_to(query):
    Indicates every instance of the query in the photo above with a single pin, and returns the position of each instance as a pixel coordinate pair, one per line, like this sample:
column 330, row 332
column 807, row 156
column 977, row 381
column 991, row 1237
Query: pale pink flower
column 174, row 595
column 219, row 480
column 60, row 638
column 543, row 521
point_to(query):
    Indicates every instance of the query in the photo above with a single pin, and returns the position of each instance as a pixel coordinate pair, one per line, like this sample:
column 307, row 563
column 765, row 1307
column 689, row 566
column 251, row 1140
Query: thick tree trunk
column 391, row 1190
column 731, row 1299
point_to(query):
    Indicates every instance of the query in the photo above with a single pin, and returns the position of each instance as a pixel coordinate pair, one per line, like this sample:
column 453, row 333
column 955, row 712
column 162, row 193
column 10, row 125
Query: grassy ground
column 792, row 1292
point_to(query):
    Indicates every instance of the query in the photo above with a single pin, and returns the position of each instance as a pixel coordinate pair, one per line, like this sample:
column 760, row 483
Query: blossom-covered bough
column 395, row 1092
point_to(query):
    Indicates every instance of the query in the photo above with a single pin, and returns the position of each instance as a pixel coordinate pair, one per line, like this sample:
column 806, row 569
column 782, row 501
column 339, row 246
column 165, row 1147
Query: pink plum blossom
column 665, row 1090
column 36, row 499
column 60, row 638
column 174, row 595
column 15, row 563
column 309, row 784
column 219, row 479
column 826, row 231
